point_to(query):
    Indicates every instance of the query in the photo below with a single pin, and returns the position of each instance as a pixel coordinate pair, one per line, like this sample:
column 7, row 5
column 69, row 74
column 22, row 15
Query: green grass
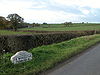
column 6, row 32
column 45, row 57
column 74, row 27
column 74, row 24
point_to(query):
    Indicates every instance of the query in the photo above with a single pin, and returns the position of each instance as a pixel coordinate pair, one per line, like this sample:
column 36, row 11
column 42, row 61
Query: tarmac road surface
column 86, row 64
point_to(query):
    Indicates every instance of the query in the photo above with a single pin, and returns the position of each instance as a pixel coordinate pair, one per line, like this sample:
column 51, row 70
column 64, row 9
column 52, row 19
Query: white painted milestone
column 21, row 56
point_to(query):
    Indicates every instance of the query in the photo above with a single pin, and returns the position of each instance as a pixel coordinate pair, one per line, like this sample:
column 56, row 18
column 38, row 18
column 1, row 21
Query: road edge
column 67, row 61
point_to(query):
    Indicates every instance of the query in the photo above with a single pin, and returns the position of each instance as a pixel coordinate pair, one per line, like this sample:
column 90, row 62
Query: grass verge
column 45, row 57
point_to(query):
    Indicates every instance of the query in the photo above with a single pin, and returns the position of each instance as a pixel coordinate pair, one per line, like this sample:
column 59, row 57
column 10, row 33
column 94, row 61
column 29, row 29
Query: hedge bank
column 13, row 43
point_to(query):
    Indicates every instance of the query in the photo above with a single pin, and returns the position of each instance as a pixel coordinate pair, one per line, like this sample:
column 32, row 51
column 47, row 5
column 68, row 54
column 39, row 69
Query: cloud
column 51, row 16
column 52, row 11
column 81, row 3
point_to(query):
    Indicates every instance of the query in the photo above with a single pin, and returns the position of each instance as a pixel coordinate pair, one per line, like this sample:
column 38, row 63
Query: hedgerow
column 14, row 43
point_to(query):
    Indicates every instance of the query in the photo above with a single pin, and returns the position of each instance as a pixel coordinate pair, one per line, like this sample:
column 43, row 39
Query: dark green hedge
column 13, row 43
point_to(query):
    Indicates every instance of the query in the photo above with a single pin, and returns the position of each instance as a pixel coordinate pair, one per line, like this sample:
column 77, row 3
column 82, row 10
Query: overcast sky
column 52, row 11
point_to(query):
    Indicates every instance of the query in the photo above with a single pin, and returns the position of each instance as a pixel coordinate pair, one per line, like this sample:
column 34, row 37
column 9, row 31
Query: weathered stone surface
column 21, row 56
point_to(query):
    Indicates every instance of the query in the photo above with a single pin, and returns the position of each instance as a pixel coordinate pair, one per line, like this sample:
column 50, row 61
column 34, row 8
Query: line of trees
column 14, row 20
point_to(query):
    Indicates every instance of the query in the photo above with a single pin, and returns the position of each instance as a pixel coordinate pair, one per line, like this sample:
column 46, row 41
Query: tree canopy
column 2, row 20
column 15, row 19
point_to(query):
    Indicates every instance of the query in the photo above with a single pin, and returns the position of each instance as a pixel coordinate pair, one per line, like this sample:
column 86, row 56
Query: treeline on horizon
column 14, row 21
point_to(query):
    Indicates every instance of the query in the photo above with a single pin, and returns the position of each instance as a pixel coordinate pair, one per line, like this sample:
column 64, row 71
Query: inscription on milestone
column 21, row 56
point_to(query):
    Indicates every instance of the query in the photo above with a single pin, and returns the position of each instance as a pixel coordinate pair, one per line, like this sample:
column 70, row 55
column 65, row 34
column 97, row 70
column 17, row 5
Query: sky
column 52, row 11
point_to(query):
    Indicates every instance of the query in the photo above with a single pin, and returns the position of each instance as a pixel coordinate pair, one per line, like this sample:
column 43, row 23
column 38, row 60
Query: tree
column 15, row 19
column 82, row 22
column 2, row 21
column 44, row 23
column 33, row 24
column 67, row 24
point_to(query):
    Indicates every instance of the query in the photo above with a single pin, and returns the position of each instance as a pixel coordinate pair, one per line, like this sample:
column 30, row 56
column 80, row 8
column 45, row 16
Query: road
column 86, row 64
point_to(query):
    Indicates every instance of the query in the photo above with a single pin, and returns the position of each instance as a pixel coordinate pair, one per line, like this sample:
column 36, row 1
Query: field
column 46, row 57
column 6, row 32
column 61, row 27
column 54, row 27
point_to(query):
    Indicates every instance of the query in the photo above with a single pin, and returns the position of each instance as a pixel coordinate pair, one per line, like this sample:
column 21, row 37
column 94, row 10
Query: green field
column 45, row 57
column 6, row 32
column 59, row 27
column 54, row 27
